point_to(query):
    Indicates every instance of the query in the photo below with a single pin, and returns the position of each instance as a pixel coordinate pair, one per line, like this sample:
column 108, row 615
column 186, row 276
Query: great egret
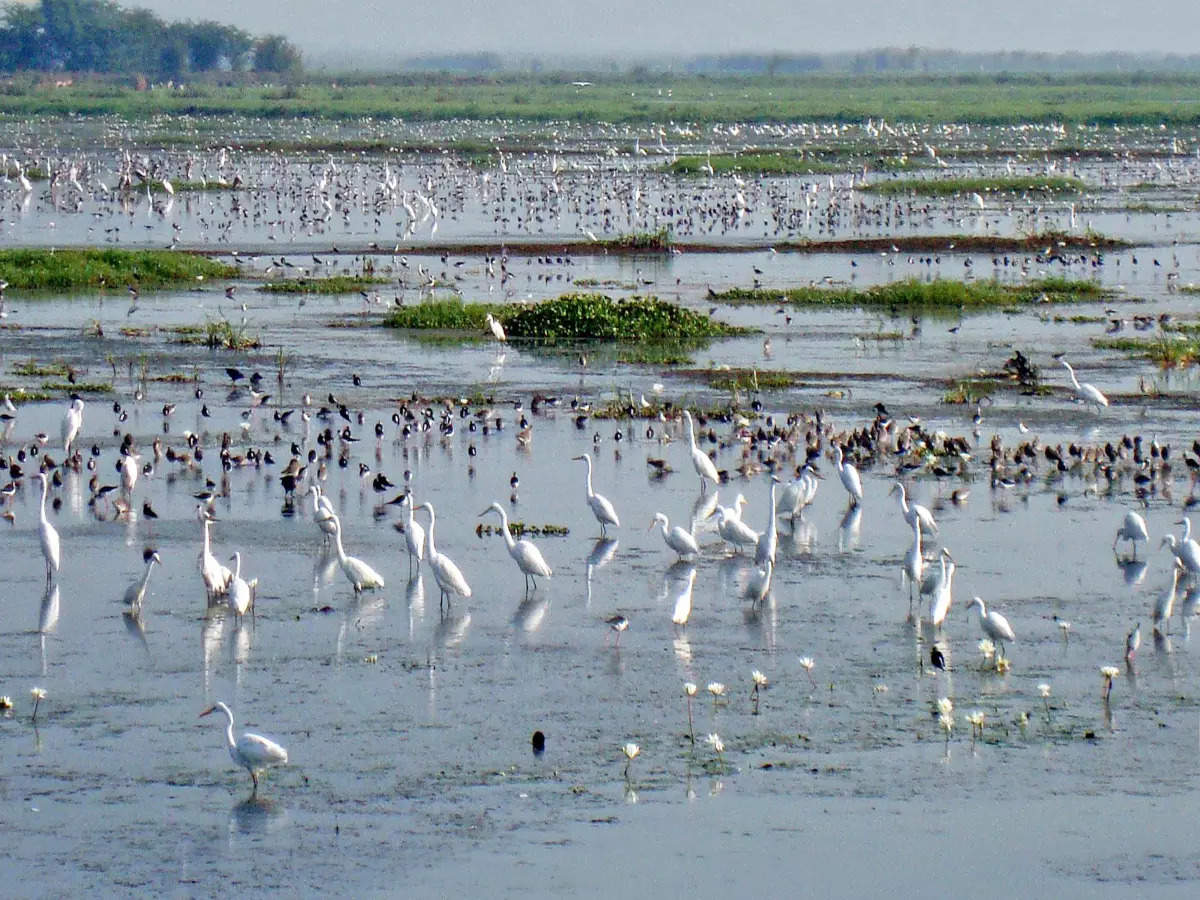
column 1186, row 550
column 849, row 475
column 760, row 583
column 798, row 494
column 414, row 534
column 527, row 557
column 943, row 592
column 495, row 328
column 47, row 533
column 136, row 592
column 1166, row 602
column 214, row 574
column 450, row 580
column 732, row 529
column 1133, row 529
column 71, row 423
column 252, row 752
column 323, row 512
column 360, row 575
column 914, row 512
column 914, row 564
column 768, row 540
column 129, row 473
column 705, row 467
column 602, row 509
column 994, row 625
column 678, row 538
column 1086, row 391
column 239, row 589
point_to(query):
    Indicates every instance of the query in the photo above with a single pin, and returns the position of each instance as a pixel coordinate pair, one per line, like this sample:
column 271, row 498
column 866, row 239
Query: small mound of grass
column 216, row 335
column 1007, row 184
column 75, row 269
column 78, row 387
column 913, row 294
column 640, row 242
column 752, row 164
column 730, row 379
column 570, row 317
column 334, row 284
column 1176, row 351
column 20, row 395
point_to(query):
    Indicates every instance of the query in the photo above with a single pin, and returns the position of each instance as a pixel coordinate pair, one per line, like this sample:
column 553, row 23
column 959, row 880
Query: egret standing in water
column 1086, row 391
column 768, row 539
column 602, row 509
column 239, row 589
column 994, row 625
column 705, row 467
column 214, row 574
column 450, row 580
column 495, row 328
column 136, row 592
column 914, row 512
column 1166, row 602
column 1133, row 529
column 943, row 591
column 414, row 534
column 47, row 533
column 849, row 475
column 360, row 575
column 71, row 423
column 527, row 557
column 914, row 564
column 1187, row 551
column 252, row 752
column 678, row 538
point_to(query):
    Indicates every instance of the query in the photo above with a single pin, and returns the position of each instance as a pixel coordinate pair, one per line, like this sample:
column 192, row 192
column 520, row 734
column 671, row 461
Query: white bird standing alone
column 252, row 752
column 914, row 512
column 239, row 593
column 705, row 467
column 136, row 592
column 495, row 328
column 602, row 509
column 47, row 533
column 1086, row 391
column 527, row 557
column 994, row 625
column 71, row 423
column 849, row 475
column 1133, row 529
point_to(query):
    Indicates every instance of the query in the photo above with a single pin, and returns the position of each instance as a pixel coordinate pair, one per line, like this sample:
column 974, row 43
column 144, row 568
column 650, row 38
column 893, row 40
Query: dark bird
column 936, row 659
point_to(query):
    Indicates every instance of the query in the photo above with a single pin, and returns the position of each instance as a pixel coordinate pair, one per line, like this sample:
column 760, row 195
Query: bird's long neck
column 46, row 490
column 429, row 533
column 230, row 739
column 508, row 538
column 772, row 519
column 237, row 565
column 337, row 540
column 588, row 460
column 917, row 537
column 1187, row 528
column 207, row 551
column 903, row 500
column 146, row 575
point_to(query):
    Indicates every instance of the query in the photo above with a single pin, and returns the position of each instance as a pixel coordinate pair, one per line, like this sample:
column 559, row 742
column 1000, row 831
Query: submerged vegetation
column 76, row 269
column 999, row 184
column 569, row 318
column 914, row 294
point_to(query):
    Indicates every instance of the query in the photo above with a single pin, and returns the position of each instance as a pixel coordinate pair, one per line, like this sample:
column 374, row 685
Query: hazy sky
column 645, row 27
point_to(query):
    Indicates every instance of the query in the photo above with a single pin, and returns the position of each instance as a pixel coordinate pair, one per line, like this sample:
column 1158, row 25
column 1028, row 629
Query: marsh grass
column 1000, row 184
column 75, row 269
column 753, row 163
column 1169, row 351
column 941, row 294
column 217, row 335
column 333, row 284
column 741, row 379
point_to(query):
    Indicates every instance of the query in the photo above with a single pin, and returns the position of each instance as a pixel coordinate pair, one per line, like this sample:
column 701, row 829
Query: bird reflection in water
column 257, row 816
column 602, row 553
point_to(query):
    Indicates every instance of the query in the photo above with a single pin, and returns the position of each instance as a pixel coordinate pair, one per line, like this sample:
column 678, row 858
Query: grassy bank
column 999, row 99
column 79, row 269
column 913, row 294
column 752, row 164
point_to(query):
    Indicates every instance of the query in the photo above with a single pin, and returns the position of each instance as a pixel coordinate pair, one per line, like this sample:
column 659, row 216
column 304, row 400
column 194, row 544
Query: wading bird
column 527, row 557
column 252, row 752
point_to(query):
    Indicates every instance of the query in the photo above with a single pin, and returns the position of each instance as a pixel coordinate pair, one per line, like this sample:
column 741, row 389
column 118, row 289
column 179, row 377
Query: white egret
column 1165, row 604
column 994, row 625
column 798, row 494
column 732, row 529
column 495, row 328
column 214, row 574
column 252, row 752
column 129, row 473
column 768, row 541
column 136, row 592
column 47, row 533
column 450, row 580
column 360, row 575
column 914, row 512
column 849, row 475
column 414, row 534
column 323, row 512
column 527, row 557
column 682, row 588
column 705, row 467
column 602, row 509
column 1185, row 550
column 1086, row 391
column 239, row 590
column 943, row 592
column 678, row 538
column 760, row 583
column 1133, row 529
column 71, row 423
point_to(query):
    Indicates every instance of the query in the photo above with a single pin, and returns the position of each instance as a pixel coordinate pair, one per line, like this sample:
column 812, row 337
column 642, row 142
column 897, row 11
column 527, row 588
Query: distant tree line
column 100, row 36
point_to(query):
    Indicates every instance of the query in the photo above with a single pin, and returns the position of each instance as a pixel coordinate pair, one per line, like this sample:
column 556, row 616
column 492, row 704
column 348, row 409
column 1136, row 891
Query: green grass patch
column 33, row 369
column 1000, row 184
column 752, row 163
column 913, row 294
column 334, row 284
column 78, row 387
column 1173, row 351
column 173, row 378
column 217, row 335
column 640, row 242
column 654, row 355
column 571, row 317
column 20, row 395
column 970, row 390
column 75, row 269
column 731, row 379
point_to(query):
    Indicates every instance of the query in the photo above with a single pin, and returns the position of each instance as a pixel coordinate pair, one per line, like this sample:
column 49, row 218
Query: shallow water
column 408, row 729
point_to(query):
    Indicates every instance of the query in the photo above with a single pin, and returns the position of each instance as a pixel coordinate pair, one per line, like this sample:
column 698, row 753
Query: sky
column 647, row 28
